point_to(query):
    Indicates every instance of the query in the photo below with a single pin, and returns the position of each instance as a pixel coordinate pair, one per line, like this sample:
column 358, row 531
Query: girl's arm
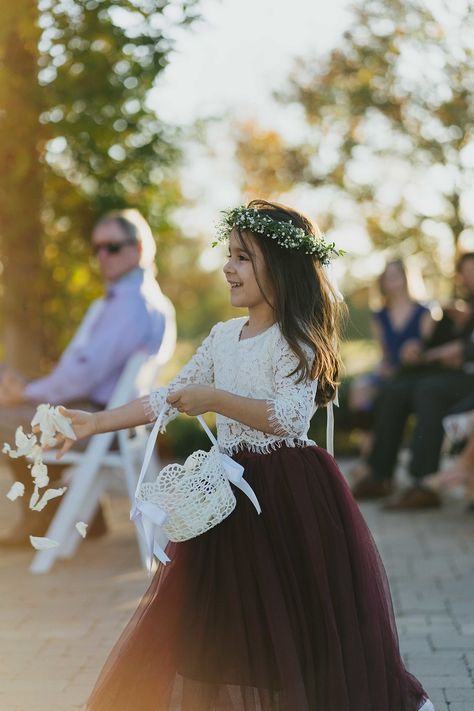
column 86, row 424
column 199, row 369
column 198, row 399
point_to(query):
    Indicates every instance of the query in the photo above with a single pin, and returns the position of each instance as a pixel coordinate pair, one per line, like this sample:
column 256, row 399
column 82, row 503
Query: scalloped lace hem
column 236, row 447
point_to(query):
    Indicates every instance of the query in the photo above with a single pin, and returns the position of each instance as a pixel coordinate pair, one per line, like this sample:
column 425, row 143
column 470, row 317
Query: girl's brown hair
column 305, row 305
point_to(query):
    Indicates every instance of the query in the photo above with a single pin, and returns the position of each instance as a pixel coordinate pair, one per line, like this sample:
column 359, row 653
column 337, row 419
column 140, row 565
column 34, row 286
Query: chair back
column 138, row 377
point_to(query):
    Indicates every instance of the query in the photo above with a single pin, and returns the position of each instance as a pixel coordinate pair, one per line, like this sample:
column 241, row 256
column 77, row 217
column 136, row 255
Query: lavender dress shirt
column 133, row 316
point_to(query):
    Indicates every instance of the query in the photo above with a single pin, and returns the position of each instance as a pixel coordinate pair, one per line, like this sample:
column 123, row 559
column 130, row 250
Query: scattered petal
column 43, row 544
column 24, row 444
column 39, row 472
column 17, row 489
column 81, row 528
column 47, row 496
column 63, row 424
column 34, row 498
column 50, row 421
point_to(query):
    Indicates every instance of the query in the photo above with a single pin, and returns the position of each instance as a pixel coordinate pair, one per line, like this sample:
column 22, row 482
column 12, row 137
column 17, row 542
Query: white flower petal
column 24, row 443
column 34, row 498
column 40, row 415
column 42, row 544
column 47, row 496
column 81, row 528
column 17, row 489
column 39, row 471
column 63, row 424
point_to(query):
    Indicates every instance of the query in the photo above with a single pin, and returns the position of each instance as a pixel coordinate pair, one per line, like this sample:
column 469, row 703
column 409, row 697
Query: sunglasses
column 111, row 247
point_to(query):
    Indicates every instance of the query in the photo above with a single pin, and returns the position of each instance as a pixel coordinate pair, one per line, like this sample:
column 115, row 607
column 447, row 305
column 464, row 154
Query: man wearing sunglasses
column 133, row 316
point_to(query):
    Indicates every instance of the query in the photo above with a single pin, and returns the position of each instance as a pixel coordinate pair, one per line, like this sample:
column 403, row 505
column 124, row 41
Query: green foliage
column 390, row 126
column 93, row 140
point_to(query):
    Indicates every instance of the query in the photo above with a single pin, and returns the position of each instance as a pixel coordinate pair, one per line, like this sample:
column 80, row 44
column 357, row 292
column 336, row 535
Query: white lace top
column 256, row 367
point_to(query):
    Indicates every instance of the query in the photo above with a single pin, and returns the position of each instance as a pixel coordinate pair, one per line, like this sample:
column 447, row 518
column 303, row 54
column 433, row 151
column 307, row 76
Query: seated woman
column 399, row 327
column 459, row 426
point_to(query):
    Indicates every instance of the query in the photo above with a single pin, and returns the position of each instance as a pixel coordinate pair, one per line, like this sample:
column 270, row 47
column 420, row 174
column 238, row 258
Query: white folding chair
column 87, row 479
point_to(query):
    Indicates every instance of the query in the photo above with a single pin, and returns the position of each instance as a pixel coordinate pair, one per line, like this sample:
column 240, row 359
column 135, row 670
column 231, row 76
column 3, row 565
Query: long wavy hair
column 305, row 305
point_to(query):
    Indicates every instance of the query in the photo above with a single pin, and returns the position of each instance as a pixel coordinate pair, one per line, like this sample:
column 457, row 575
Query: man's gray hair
column 136, row 228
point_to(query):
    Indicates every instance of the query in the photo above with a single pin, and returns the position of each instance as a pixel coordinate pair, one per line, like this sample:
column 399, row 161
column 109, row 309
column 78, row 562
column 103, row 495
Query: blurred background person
column 443, row 377
column 133, row 316
column 459, row 427
column 399, row 328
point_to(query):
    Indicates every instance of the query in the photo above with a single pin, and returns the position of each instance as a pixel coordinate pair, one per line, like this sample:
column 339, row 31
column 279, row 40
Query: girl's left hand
column 193, row 399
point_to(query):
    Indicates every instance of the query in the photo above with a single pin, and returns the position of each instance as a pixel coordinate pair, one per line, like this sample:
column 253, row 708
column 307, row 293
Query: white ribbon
column 146, row 516
column 234, row 471
column 149, row 517
column 330, row 423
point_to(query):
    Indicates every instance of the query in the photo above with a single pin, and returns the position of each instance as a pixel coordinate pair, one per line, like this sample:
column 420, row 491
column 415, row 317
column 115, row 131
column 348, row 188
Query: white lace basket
column 186, row 500
column 196, row 495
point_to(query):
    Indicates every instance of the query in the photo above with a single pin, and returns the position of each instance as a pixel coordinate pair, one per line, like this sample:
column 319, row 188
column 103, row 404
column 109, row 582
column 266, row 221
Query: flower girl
column 289, row 610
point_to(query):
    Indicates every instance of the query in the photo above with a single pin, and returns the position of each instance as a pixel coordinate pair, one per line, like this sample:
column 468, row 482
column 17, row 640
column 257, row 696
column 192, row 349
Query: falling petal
column 39, row 472
column 25, row 445
column 17, row 489
column 43, row 544
column 34, row 498
column 81, row 528
column 47, row 496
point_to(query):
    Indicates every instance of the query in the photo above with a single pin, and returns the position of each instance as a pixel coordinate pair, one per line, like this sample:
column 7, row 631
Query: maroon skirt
column 286, row 611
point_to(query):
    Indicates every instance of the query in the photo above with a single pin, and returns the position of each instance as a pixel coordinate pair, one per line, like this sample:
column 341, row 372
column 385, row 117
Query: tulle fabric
column 287, row 611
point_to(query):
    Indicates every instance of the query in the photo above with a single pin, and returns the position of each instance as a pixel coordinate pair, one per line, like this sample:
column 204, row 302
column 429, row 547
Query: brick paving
column 56, row 629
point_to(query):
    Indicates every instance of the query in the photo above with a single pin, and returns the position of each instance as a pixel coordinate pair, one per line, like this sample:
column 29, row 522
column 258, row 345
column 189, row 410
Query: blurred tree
column 389, row 120
column 94, row 64
column 268, row 165
column 21, row 183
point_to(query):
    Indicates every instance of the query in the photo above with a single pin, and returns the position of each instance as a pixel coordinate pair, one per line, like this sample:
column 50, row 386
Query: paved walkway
column 55, row 630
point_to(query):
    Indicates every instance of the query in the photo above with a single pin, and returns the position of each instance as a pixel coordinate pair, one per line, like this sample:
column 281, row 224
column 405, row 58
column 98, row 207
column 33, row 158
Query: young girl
column 290, row 610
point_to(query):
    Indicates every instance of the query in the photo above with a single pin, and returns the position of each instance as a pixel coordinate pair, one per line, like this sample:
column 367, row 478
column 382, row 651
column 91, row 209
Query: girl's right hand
column 84, row 425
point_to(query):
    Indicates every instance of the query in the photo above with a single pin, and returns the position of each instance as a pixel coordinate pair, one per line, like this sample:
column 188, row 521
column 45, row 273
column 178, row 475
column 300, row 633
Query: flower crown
column 286, row 234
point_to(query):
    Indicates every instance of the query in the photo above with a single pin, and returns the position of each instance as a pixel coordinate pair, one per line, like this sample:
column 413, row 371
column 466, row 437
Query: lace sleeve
column 199, row 370
column 293, row 405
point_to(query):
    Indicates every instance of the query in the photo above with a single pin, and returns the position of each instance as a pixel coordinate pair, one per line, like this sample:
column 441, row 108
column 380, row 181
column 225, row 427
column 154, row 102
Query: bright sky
column 240, row 52
column 226, row 68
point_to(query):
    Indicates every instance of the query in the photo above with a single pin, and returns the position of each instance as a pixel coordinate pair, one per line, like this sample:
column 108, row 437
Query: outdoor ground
column 56, row 629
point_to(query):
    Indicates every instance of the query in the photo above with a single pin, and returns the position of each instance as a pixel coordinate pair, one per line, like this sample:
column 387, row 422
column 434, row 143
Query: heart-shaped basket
column 186, row 500
column 195, row 495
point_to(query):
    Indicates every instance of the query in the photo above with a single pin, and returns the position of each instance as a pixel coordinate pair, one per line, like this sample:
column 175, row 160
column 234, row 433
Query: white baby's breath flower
column 17, row 489
column 43, row 544
column 81, row 528
column 47, row 496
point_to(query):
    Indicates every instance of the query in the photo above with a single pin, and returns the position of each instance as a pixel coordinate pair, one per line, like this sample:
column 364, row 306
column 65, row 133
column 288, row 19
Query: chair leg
column 67, row 514
column 86, row 514
column 131, row 479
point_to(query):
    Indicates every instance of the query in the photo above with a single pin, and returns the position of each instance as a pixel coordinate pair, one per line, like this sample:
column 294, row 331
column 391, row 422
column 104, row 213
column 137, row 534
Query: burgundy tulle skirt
column 286, row 611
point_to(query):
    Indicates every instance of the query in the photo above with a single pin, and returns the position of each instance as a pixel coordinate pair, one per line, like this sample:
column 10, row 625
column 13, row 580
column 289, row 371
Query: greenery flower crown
column 286, row 234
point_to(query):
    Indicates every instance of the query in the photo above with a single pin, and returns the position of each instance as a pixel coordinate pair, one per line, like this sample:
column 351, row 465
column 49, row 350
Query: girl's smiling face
column 245, row 265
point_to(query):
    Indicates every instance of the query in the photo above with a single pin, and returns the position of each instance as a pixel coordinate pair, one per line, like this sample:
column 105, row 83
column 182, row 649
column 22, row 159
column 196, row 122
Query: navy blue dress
column 394, row 338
